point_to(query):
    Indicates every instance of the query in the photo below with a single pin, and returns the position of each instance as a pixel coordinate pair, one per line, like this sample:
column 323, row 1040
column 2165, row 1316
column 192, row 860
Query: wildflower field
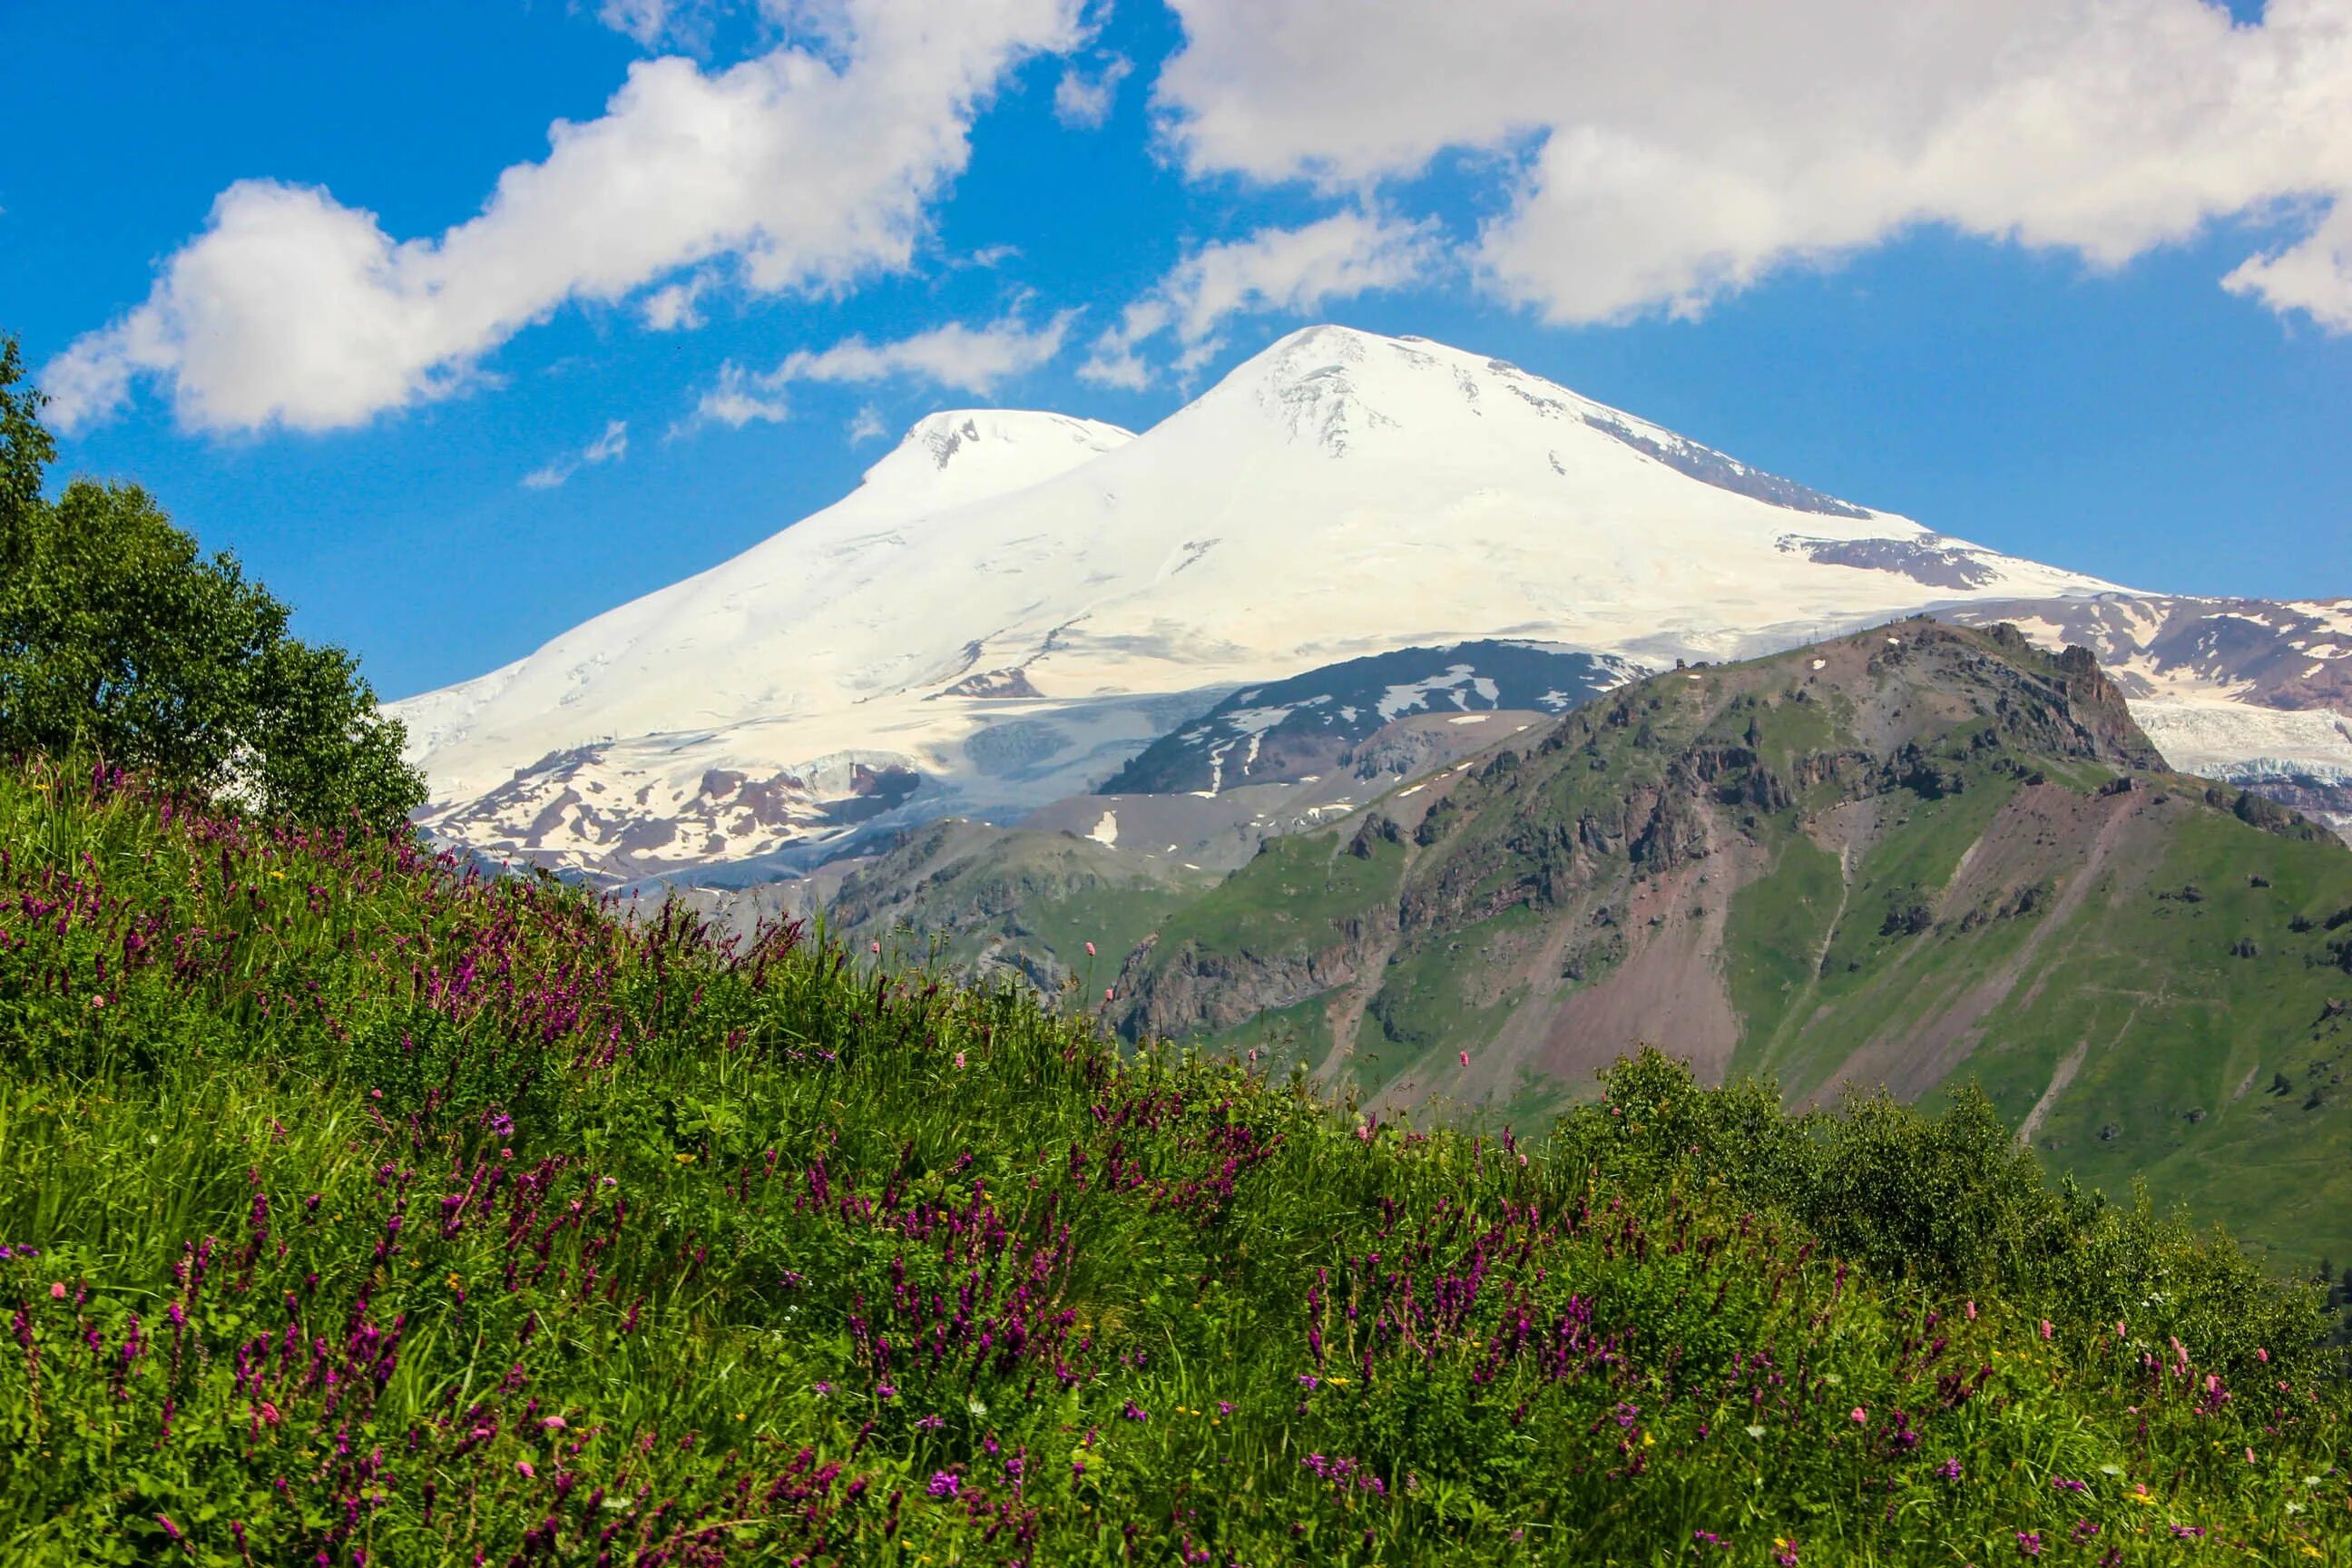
column 357, row 1211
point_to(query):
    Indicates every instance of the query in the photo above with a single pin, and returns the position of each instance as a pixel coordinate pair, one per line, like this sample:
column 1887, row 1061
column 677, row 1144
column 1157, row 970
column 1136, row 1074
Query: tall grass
column 360, row 1210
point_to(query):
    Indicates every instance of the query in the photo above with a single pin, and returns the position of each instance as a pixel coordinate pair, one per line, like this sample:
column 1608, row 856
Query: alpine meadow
column 1176, row 783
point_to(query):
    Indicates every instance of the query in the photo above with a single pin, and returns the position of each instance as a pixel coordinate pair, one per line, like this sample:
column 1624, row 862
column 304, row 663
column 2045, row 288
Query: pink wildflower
column 1090, row 950
column 58, row 1290
column 1861, row 1416
column 959, row 1058
column 1466, row 1058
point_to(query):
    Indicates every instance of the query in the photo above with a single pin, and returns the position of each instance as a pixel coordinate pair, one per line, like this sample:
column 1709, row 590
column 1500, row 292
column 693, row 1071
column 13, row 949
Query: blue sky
column 2036, row 352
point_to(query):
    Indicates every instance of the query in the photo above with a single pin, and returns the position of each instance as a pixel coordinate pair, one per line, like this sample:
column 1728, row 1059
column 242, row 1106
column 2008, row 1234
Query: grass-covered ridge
column 356, row 1210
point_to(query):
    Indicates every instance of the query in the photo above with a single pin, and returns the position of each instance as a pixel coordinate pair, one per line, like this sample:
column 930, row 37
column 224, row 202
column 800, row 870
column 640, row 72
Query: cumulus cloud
column 608, row 447
column 1083, row 101
column 677, row 307
column 809, row 168
column 968, row 359
column 1667, row 154
column 1273, row 269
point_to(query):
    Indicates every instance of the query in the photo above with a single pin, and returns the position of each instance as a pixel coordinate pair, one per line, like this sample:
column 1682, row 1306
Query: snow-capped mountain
column 1012, row 605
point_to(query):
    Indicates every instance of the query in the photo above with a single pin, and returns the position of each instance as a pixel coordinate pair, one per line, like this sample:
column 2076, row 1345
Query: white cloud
column 650, row 22
column 1084, row 101
column 677, row 307
column 612, row 445
column 2312, row 275
column 1290, row 270
column 1675, row 151
column 810, row 170
column 867, row 426
column 736, row 400
column 608, row 447
column 969, row 359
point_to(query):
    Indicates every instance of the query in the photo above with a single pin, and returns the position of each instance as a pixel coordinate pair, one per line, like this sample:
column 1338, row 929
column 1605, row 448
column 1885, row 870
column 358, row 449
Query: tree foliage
column 120, row 640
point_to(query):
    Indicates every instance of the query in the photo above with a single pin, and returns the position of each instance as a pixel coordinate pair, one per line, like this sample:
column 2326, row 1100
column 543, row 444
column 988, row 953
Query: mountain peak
column 969, row 454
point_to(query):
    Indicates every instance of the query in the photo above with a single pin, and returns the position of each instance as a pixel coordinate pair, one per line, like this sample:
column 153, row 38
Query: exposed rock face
column 1711, row 467
column 549, row 811
column 2322, row 795
column 1188, row 989
column 1341, row 716
column 1926, row 560
column 2256, row 692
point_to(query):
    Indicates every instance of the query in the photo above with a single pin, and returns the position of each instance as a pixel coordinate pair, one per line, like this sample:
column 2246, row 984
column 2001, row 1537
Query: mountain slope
column 361, row 1212
column 2252, row 691
column 1014, row 605
column 1906, row 857
column 994, row 901
column 1314, row 723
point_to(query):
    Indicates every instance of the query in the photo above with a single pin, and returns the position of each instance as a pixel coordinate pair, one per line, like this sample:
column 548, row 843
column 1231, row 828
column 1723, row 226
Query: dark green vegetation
column 118, row 641
column 352, row 1206
column 1916, row 856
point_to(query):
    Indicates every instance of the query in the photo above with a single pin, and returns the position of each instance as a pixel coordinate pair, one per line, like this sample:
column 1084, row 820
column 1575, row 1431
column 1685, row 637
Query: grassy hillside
column 1909, row 857
column 357, row 1211
column 1012, row 903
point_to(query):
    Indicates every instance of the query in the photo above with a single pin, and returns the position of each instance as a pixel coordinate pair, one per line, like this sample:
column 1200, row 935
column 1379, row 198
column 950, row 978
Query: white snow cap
column 969, row 454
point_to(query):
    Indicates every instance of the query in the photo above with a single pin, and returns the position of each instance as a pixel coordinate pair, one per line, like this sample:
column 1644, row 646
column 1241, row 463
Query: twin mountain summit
column 1395, row 713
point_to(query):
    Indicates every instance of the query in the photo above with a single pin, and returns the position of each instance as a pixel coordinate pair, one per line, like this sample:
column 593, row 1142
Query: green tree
column 120, row 640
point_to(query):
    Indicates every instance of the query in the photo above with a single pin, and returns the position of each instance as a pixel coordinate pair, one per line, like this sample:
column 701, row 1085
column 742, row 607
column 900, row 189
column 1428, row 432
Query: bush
column 1950, row 1200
